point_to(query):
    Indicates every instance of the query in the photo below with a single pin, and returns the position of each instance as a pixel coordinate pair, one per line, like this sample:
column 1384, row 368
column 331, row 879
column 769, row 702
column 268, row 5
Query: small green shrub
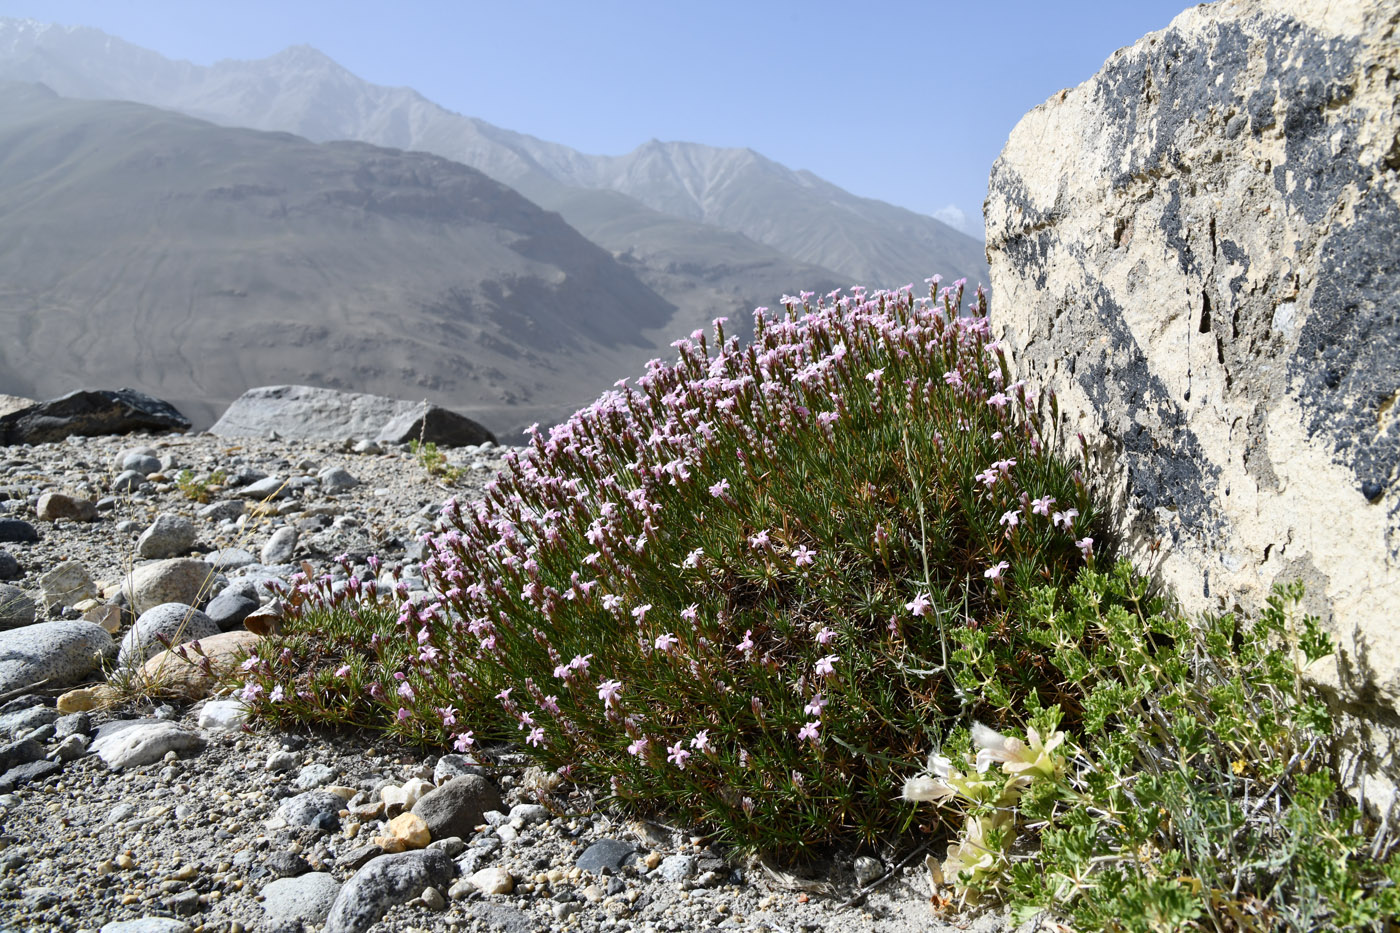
column 196, row 488
column 434, row 462
column 733, row 591
column 1194, row 794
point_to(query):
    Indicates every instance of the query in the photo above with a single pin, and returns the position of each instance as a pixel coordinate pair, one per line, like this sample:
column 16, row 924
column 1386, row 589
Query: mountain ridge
column 792, row 211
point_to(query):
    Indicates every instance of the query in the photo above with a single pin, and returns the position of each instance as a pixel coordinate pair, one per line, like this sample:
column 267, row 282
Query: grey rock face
column 324, row 414
column 142, row 742
column 58, row 654
column 456, row 808
column 177, row 623
column 1205, row 267
column 280, row 547
column 169, row 536
column 88, row 413
column 16, row 608
column 305, row 898
column 384, row 882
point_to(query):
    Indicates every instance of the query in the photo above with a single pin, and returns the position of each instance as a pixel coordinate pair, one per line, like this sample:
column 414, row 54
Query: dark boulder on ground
column 90, row 413
column 311, row 413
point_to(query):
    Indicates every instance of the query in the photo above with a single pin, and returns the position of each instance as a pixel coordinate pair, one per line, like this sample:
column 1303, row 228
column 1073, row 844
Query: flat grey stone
column 144, row 464
column 143, row 742
column 271, row 487
column 313, row 776
column 20, row 775
column 54, row 654
column 383, row 883
column 18, row 722
column 610, row 854
column 305, row 898
column 176, row 622
column 226, row 510
column 147, row 925
column 13, row 754
column 230, row 558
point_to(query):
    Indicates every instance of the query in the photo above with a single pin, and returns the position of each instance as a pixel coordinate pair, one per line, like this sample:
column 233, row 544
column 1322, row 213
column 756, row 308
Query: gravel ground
column 203, row 839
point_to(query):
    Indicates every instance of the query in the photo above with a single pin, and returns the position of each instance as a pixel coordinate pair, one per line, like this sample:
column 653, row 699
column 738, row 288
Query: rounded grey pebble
column 178, row 622
column 128, row 481
column 318, row 809
column 141, row 463
column 169, row 536
column 9, row 567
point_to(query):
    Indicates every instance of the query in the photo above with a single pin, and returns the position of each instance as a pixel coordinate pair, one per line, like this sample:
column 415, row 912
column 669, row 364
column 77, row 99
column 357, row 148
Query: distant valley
column 679, row 232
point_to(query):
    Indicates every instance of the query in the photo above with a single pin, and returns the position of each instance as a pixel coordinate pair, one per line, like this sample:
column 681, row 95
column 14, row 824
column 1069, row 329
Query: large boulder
column 306, row 412
column 1199, row 250
column 50, row 655
column 90, row 413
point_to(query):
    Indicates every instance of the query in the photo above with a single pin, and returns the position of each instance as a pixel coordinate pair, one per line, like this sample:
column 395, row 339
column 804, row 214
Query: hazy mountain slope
column 303, row 91
column 140, row 247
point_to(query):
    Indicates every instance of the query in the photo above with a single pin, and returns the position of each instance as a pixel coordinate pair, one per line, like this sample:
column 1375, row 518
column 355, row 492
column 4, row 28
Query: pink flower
column 403, row 714
column 1042, row 505
column 759, row 541
column 746, row 645
column 405, row 690
column 638, row 746
column 815, row 705
column 998, row 401
column 994, row 573
column 809, row 731
column 609, row 691
column 1086, row 547
column 276, row 696
column 666, row 642
column 640, row 613
column 1010, row 519
column 920, row 605
column 826, row 636
column 536, row 737
column 1065, row 519
column 677, row 755
column 802, row 556
column 464, row 741
column 721, row 489
column 448, row 714
column 693, row 558
column 689, row 613
column 701, row 742
column 343, row 671
column 826, row 666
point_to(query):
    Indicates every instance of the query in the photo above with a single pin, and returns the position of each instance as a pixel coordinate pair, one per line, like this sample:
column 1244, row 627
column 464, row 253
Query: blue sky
column 908, row 102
